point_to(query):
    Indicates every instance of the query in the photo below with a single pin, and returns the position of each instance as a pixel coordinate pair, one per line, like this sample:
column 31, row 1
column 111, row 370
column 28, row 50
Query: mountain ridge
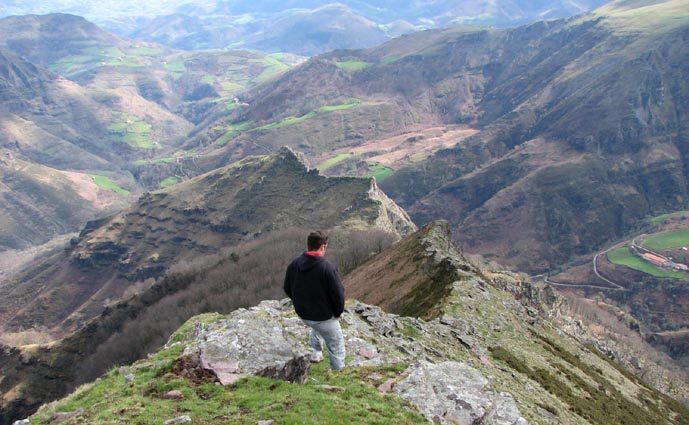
column 481, row 326
column 301, row 27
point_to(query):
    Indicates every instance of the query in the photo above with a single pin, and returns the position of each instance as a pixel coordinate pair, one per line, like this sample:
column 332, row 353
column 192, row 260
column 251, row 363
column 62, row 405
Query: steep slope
column 414, row 278
column 591, row 141
column 565, row 133
column 50, row 151
column 214, row 243
column 495, row 354
column 202, row 216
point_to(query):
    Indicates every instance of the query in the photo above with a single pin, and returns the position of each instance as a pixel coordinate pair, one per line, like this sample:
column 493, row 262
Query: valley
column 143, row 184
column 648, row 289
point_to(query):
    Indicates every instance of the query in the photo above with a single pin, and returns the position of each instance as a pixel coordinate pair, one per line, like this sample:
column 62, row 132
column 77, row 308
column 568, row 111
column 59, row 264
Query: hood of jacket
column 306, row 262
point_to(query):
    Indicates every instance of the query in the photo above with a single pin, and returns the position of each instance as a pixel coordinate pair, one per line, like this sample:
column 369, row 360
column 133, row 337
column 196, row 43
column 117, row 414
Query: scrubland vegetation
column 219, row 282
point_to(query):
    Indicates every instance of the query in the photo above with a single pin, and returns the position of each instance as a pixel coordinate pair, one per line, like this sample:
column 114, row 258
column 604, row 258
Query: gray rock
column 257, row 341
column 63, row 416
column 270, row 340
column 178, row 420
column 22, row 422
column 453, row 392
column 172, row 395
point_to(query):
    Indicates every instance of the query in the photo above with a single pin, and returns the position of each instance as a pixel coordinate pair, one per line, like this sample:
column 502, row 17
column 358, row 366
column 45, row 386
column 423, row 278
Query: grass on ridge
column 333, row 161
column 659, row 219
column 353, row 65
column 106, row 183
column 349, row 396
column 350, row 103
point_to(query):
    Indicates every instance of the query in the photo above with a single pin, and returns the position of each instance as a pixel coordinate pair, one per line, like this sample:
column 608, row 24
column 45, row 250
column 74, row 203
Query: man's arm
column 336, row 292
column 287, row 285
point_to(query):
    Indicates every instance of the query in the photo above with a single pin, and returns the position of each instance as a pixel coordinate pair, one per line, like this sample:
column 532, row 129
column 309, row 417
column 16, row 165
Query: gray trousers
column 330, row 332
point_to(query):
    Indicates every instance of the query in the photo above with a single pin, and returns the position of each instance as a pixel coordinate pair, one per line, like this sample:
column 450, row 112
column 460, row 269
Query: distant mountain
column 538, row 143
column 300, row 27
column 105, row 115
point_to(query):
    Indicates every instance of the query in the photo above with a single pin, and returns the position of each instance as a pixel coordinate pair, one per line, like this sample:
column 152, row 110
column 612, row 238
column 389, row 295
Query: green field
column 334, row 160
column 287, row 121
column 353, row 65
column 273, row 67
column 232, row 130
column 106, row 183
column 177, row 68
column 379, row 171
column 132, row 130
column 624, row 257
column 661, row 241
column 323, row 109
column 169, row 182
column 349, row 104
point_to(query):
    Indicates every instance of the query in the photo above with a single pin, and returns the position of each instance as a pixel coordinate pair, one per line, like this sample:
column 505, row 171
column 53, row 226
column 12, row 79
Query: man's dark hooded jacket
column 315, row 288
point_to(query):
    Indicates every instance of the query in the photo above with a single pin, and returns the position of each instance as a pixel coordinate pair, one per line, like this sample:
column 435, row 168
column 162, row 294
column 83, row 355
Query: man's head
column 316, row 240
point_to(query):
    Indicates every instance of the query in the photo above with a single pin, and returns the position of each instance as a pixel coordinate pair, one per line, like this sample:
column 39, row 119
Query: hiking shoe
column 316, row 357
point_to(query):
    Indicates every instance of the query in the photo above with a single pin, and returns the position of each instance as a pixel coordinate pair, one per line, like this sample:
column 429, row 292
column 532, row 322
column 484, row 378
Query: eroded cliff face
column 392, row 218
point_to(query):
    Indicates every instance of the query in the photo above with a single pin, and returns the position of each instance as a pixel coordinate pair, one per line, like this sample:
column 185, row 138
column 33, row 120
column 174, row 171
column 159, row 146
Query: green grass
column 379, row 171
column 166, row 160
column 232, row 86
column 252, row 399
column 287, row 121
column 273, row 67
column 132, row 130
column 232, row 131
column 323, row 109
column 106, row 183
column 353, row 65
column 661, row 218
column 177, row 68
column 334, row 160
column 172, row 180
column 661, row 241
column 349, row 104
column 624, row 257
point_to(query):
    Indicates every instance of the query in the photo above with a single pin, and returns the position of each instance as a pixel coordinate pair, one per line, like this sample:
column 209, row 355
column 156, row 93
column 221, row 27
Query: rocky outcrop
column 391, row 218
column 453, row 392
column 270, row 340
column 253, row 342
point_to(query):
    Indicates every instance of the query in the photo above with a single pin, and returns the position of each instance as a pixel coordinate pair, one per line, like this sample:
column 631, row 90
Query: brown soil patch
column 88, row 189
column 411, row 146
column 189, row 367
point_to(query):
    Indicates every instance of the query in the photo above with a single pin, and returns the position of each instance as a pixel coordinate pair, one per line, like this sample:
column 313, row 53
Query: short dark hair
column 316, row 239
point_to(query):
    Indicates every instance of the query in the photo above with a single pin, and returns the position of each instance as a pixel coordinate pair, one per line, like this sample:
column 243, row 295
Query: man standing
column 313, row 284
